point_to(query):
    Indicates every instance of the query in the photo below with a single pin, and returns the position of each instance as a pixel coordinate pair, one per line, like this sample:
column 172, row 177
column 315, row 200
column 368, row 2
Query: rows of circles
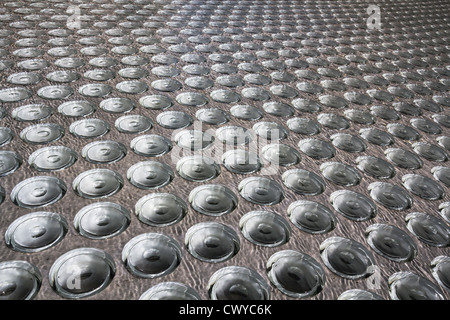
column 154, row 254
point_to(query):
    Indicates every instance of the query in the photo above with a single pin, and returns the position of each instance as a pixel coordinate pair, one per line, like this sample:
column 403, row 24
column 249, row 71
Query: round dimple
column 265, row 228
column 14, row 94
column 403, row 158
column 281, row 154
column 403, row 132
column 375, row 167
column 191, row 99
column 99, row 75
column 423, row 187
column 246, row 112
column 152, row 145
column 151, row 255
column 32, row 112
column 101, row 220
column 117, row 105
column 306, row 105
column 390, row 196
column 353, row 205
column 24, row 78
column 36, row 231
column 237, row 283
column 42, row 133
column 155, row 102
column 199, row 82
column 303, row 182
column 135, row 73
column 391, row 242
column 357, row 98
column 358, row 294
column 95, row 90
column 81, row 273
column 10, row 161
column 255, row 94
column 21, row 280
column 174, row 119
column 234, row 135
column 197, row 168
column 89, row 128
column 38, row 192
column 303, row 126
column 166, row 85
column 241, row 161
column 133, row 124
column 440, row 268
column 442, row 119
column 97, row 183
column 340, row 174
column 212, row 242
column 270, row 130
column 194, row 139
column 261, row 190
column 444, row 141
column 105, row 151
column 6, row 135
column 428, row 229
column 311, row 217
column 347, row 258
column 295, row 274
column 377, row 136
column 225, row 96
column 348, row 142
column 426, row 125
column 150, row 175
column 212, row 116
column 160, row 209
column 76, row 108
column 430, row 152
column 317, row 149
column 359, row 116
column 52, row 158
column 170, row 291
column 278, row 109
column 213, row 200
column 410, row 286
column 309, row 87
column 384, row 113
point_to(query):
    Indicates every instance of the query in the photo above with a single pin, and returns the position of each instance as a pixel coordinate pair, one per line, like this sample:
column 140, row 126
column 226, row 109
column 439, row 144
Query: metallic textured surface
column 313, row 59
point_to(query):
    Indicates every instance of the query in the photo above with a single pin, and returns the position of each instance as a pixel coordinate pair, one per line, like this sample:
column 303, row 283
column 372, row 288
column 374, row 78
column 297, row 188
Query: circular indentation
column 6, row 135
column 10, row 161
column 212, row 242
column 133, row 73
column 430, row 152
column 347, row 258
column 358, row 294
column 390, row 196
column 353, row 205
column 166, row 85
column 105, row 151
column 38, row 192
column 375, row 167
column 403, row 132
column 246, row 112
column 155, row 102
column 311, row 217
column 303, row 126
column 193, row 139
column 306, row 105
column 270, row 130
column 52, row 158
column 234, row 135
column 340, row 173
column 20, row 280
column 212, row 116
column 317, row 149
column 295, row 274
column 160, row 209
column 256, row 94
column 95, row 90
column 151, row 145
column 197, row 168
column 117, row 105
column 303, row 182
column 78, row 108
column 384, row 113
column 14, row 94
column 101, row 220
column 241, row 161
column 132, row 87
column 261, row 190
column 376, row 136
column 440, row 267
column 403, row 158
column 42, row 133
column 225, row 96
column 133, row 124
column 192, row 99
column 391, row 242
column 97, row 183
column 150, row 175
column 265, row 228
column 213, row 200
column 81, row 273
column 357, row 98
column 151, row 255
column 174, row 119
column 333, row 121
column 89, row 128
column 426, row 125
column 410, row 286
column 32, row 112
column 348, row 142
column 237, row 283
column 281, row 154
column 423, row 187
column 24, row 78
column 99, row 75
column 332, row 101
column 428, row 229
column 36, row 231
column 170, row 291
